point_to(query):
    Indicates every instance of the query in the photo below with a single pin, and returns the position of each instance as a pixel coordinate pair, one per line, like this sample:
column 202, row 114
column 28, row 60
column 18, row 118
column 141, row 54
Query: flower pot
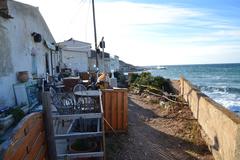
column 22, row 76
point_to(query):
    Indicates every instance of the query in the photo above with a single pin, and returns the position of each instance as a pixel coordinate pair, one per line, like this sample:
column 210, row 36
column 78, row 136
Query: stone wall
column 221, row 127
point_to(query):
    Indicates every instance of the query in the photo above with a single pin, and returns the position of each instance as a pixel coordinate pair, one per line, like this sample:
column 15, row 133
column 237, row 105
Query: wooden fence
column 115, row 106
column 28, row 140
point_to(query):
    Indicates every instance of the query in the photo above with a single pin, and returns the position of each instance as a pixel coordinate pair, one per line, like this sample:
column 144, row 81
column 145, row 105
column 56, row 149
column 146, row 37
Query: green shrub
column 133, row 78
column 145, row 78
column 17, row 113
column 162, row 83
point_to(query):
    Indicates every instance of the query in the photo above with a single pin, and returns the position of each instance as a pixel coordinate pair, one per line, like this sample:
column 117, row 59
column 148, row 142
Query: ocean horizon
column 221, row 82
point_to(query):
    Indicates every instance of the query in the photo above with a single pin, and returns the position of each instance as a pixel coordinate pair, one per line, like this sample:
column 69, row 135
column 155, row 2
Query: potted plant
column 9, row 117
column 6, row 120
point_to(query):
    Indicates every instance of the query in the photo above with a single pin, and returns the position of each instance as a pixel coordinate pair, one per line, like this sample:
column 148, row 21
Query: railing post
column 51, row 145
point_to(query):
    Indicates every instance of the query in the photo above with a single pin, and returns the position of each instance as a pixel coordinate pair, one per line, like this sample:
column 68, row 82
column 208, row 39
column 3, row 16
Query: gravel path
column 158, row 134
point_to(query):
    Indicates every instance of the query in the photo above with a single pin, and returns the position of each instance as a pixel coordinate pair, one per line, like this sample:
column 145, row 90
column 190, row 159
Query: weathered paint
column 5, row 48
column 16, row 46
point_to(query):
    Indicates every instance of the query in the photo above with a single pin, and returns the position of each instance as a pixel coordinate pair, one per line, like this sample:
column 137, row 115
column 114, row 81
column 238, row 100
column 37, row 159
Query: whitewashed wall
column 17, row 45
column 75, row 60
column 75, row 54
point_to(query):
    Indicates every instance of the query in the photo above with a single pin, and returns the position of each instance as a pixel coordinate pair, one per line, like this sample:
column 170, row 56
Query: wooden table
column 85, row 81
column 89, row 93
column 59, row 88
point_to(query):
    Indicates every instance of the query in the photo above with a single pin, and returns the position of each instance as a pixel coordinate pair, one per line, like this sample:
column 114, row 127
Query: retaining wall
column 221, row 127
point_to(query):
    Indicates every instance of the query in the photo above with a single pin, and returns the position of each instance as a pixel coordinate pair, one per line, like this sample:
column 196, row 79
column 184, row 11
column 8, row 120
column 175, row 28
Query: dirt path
column 155, row 133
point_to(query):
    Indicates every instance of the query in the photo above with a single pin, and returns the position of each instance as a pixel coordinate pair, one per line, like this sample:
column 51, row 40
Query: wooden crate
column 28, row 140
column 115, row 107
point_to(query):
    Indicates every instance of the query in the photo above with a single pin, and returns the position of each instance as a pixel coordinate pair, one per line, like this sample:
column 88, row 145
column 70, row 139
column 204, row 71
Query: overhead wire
column 87, row 20
column 81, row 4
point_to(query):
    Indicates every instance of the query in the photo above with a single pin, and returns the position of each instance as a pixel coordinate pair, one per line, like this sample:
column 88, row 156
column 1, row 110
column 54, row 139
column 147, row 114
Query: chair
column 79, row 87
column 64, row 103
column 86, row 105
column 52, row 92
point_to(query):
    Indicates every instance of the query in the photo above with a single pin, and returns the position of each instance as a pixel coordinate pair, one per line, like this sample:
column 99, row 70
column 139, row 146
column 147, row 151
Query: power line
column 86, row 23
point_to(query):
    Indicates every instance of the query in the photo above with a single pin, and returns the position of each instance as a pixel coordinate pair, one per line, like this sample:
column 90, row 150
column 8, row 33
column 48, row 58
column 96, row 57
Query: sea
column 221, row 82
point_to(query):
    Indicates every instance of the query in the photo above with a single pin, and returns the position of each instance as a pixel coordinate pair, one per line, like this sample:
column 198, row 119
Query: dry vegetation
column 158, row 129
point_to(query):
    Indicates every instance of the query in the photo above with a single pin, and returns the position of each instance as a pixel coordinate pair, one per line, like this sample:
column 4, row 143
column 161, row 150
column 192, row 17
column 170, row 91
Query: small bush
column 17, row 113
column 162, row 83
column 133, row 78
column 145, row 78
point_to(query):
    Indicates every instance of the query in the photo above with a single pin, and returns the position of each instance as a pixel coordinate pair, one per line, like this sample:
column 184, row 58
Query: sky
column 151, row 32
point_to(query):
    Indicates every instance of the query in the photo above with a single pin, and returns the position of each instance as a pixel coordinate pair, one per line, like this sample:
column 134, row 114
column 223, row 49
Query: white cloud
column 128, row 30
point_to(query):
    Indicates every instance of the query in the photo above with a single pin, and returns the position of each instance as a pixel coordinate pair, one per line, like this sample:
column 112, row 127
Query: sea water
column 221, row 82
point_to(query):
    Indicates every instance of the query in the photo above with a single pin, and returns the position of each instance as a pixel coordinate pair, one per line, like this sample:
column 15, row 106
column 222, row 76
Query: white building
column 25, row 43
column 75, row 54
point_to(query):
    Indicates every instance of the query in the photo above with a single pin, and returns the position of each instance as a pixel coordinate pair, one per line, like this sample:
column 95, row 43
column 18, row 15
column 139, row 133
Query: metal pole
column 103, row 54
column 95, row 32
column 103, row 60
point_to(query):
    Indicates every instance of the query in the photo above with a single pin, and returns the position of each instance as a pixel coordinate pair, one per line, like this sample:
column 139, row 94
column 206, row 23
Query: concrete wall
column 17, row 46
column 221, row 127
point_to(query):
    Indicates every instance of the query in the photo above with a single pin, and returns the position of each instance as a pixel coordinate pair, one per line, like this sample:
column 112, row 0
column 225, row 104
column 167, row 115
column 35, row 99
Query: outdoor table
column 59, row 88
column 89, row 93
column 85, row 81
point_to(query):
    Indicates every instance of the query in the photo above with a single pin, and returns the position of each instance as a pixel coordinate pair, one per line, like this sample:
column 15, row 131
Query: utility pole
column 95, row 33
column 102, row 45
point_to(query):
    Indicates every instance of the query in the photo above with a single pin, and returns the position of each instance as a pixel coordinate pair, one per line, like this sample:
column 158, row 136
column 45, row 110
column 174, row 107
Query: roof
column 71, row 40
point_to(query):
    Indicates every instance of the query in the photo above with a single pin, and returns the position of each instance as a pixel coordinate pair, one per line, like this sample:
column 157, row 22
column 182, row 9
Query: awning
column 50, row 45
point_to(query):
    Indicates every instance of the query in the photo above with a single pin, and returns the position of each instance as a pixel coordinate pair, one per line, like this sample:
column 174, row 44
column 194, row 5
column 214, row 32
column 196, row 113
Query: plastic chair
column 86, row 105
column 79, row 87
column 64, row 103
column 52, row 92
